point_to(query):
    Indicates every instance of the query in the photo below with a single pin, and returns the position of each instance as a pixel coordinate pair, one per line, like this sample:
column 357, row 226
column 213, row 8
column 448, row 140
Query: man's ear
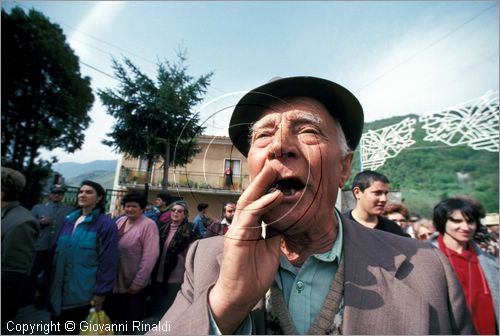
column 356, row 192
column 345, row 169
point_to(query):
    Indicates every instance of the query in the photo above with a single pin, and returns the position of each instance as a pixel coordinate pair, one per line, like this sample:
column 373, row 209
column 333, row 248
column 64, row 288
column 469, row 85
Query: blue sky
column 396, row 57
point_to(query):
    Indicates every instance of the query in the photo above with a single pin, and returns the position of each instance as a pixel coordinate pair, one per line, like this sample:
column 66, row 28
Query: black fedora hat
column 339, row 101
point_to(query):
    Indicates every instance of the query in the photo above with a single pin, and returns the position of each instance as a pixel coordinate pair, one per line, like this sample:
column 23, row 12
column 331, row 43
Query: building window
column 233, row 165
column 143, row 164
column 231, row 169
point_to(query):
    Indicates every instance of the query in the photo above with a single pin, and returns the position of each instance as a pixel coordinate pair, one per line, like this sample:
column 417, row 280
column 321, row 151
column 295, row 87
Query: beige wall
column 214, row 201
column 206, row 167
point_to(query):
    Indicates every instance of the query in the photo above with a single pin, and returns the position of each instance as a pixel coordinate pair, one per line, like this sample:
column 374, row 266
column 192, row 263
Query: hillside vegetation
column 104, row 178
column 427, row 172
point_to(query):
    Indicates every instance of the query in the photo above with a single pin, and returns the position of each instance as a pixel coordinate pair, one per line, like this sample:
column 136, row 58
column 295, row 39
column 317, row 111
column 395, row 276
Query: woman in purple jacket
column 84, row 261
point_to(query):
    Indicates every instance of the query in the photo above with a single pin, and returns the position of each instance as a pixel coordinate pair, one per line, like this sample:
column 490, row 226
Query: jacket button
column 300, row 286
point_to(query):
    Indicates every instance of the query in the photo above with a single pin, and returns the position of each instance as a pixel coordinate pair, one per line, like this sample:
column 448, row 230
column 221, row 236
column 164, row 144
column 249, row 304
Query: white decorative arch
column 379, row 145
column 473, row 123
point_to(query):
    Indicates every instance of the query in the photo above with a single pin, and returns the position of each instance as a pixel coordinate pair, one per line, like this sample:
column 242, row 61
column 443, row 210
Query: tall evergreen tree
column 45, row 99
column 154, row 119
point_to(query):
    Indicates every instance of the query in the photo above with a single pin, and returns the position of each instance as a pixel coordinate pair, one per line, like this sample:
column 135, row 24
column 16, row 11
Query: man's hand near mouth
column 249, row 262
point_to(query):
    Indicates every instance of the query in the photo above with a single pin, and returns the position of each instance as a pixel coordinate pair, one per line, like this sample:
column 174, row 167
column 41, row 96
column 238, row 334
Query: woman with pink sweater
column 138, row 246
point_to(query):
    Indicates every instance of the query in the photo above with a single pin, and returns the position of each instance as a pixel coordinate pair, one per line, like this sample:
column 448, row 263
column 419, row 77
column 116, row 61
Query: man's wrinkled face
column 300, row 142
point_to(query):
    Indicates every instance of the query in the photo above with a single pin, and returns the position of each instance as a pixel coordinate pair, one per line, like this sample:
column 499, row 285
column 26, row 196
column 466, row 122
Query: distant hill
column 427, row 172
column 73, row 169
column 104, row 178
column 100, row 171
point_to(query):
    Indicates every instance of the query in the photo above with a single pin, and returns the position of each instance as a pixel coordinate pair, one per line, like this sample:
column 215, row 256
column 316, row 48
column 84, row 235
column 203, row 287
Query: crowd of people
column 292, row 263
column 67, row 259
column 373, row 210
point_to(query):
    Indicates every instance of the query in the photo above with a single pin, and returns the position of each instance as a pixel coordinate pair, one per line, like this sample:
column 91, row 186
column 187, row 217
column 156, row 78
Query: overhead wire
column 446, row 35
column 95, row 68
column 408, row 59
column 433, row 43
column 99, row 70
column 96, row 38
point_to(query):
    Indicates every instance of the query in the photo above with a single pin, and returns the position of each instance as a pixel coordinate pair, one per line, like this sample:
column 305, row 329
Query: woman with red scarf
column 457, row 220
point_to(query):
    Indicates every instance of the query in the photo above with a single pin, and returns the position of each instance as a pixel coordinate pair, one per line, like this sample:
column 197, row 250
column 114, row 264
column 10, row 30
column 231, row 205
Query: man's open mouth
column 288, row 186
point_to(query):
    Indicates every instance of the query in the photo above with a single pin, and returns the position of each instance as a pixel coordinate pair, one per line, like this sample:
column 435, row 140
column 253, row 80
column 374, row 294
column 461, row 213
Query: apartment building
column 217, row 174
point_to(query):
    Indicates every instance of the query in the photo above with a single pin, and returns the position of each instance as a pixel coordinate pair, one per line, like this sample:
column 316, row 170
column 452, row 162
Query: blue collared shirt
column 305, row 288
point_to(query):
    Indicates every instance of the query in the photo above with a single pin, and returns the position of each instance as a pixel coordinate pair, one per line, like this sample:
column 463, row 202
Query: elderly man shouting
column 290, row 263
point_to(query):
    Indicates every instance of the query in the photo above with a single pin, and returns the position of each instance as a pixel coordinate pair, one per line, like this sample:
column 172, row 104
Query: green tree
column 45, row 99
column 154, row 119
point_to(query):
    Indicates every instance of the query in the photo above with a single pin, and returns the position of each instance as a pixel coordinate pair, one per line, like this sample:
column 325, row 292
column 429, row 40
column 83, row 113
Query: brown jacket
column 393, row 285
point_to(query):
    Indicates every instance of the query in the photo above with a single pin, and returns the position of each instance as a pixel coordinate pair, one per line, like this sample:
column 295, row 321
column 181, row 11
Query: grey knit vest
column 328, row 321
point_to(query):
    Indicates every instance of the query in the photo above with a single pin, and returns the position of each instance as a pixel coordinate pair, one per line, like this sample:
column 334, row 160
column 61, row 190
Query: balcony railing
column 184, row 179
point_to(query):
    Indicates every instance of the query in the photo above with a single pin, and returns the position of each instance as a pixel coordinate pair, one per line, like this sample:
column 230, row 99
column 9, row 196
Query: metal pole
column 360, row 155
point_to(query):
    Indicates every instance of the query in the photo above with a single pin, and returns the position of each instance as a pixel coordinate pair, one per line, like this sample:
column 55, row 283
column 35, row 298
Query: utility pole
column 166, row 164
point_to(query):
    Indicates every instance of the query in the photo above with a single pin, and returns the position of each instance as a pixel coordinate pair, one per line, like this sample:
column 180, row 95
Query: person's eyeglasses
column 178, row 210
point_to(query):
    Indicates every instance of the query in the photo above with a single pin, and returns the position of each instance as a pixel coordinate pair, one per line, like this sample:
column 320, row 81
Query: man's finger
column 259, row 186
column 246, row 223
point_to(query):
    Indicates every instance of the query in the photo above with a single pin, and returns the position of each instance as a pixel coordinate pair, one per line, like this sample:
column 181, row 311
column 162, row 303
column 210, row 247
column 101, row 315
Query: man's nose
column 283, row 145
column 384, row 198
